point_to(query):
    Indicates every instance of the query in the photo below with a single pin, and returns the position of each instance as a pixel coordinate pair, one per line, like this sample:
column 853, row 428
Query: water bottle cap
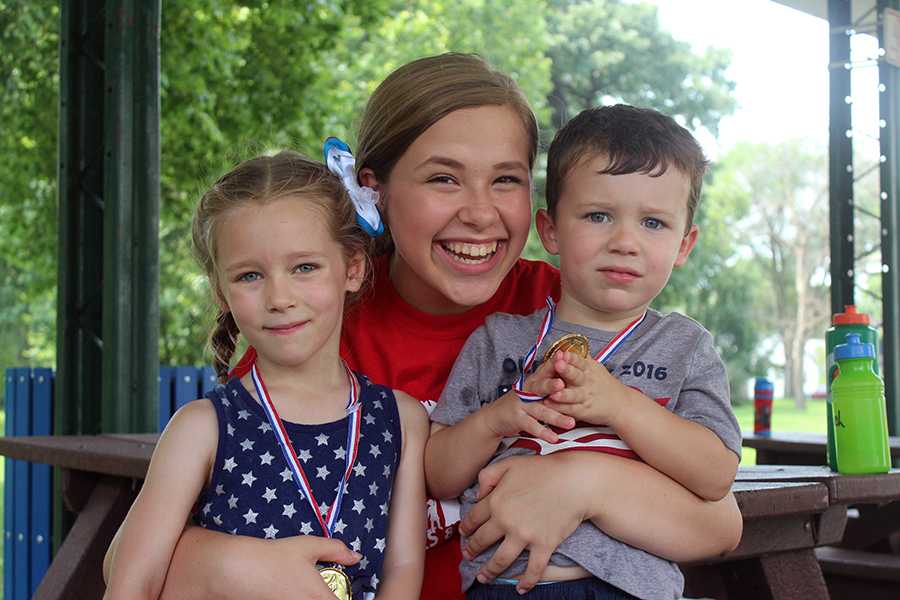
column 853, row 348
column 850, row 317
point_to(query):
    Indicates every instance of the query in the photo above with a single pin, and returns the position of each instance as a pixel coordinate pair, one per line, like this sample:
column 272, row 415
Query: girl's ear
column 356, row 272
column 367, row 178
column 547, row 231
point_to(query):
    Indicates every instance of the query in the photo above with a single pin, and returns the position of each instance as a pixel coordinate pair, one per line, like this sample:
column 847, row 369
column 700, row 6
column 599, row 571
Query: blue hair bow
column 340, row 161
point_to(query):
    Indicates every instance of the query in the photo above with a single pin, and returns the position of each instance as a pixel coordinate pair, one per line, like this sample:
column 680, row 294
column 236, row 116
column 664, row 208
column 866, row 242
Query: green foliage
column 28, row 113
column 610, row 50
column 239, row 78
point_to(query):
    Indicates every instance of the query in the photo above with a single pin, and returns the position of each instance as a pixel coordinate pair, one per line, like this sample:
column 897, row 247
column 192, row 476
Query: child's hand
column 509, row 415
column 591, row 393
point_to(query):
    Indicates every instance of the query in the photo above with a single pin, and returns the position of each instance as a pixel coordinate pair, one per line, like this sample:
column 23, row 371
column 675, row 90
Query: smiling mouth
column 284, row 329
column 470, row 254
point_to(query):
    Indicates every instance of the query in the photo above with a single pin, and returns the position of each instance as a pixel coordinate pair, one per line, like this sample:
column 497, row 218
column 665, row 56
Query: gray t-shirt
column 670, row 358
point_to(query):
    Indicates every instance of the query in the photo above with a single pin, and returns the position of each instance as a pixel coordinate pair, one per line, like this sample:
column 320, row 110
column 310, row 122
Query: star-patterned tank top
column 252, row 491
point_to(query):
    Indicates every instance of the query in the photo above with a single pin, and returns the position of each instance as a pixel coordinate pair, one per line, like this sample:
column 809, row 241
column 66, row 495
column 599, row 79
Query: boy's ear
column 687, row 245
column 547, row 231
column 356, row 272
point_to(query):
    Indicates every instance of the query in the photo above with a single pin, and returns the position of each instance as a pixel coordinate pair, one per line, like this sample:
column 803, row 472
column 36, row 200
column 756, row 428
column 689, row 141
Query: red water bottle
column 762, row 407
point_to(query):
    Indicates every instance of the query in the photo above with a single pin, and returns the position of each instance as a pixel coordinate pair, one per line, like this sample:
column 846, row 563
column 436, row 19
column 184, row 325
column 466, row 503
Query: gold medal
column 337, row 581
column 573, row 342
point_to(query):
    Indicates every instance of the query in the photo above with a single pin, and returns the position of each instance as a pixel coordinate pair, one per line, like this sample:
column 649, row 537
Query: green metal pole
column 889, row 108
column 80, row 213
column 840, row 157
column 131, row 190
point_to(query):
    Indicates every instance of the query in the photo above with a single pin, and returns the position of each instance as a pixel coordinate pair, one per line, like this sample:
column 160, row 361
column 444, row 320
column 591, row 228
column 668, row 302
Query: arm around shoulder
column 404, row 561
column 139, row 559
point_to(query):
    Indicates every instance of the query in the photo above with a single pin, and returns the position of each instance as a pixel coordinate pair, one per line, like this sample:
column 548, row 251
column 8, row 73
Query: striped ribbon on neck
column 602, row 357
column 354, row 425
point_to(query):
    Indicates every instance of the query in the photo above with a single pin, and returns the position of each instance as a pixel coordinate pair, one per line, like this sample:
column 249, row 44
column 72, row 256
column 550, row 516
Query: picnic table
column 792, row 448
column 788, row 512
column 867, row 561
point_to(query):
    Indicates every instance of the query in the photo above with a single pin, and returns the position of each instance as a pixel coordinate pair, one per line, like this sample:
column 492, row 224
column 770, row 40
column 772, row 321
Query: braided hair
column 258, row 181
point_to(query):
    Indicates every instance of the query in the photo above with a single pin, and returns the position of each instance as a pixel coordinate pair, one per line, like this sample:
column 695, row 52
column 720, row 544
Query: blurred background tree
column 240, row 77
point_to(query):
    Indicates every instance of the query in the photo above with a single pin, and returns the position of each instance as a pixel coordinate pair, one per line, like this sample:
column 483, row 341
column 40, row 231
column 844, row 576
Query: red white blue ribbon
column 602, row 357
column 354, row 426
column 546, row 324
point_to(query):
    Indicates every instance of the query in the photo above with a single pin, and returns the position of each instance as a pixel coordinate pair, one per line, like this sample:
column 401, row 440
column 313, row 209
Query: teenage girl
column 301, row 444
column 449, row 144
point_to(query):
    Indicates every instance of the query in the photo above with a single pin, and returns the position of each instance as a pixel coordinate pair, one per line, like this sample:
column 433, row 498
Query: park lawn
column 785, row 417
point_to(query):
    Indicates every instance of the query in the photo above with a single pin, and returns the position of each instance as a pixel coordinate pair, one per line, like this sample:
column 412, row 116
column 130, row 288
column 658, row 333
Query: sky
column 780, row 65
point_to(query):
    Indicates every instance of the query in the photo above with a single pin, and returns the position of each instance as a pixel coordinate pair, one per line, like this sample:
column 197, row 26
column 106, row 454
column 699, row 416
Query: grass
column 785, row 417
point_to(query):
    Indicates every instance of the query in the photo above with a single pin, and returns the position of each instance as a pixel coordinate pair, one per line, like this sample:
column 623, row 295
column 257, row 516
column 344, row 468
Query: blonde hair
column 259, row 181
column 424, row 91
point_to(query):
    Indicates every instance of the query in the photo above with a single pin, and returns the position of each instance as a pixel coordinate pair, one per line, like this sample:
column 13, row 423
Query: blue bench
column 28, row 487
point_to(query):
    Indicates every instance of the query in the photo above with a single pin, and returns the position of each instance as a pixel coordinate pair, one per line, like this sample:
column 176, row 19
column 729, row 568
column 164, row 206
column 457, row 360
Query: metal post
column 108, row 307
column 889, row 108
column 131, row 217
column 79, row 304
column 840, row 157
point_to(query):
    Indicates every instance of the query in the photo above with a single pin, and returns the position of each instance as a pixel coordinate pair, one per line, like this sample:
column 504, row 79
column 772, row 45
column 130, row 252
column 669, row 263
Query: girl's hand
column 516, row 508
column 591, row 394
column 210, row 564
column 300, row 555
column 509, row 415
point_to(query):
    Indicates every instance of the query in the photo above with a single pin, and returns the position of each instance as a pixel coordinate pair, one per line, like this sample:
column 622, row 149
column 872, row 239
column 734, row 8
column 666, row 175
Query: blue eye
column 249, row 277
column 598, row 217
column 305, row 268
column 654, row 224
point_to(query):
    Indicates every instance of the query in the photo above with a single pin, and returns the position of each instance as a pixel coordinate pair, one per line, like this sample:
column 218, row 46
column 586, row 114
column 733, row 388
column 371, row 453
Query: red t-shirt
column 400, row 346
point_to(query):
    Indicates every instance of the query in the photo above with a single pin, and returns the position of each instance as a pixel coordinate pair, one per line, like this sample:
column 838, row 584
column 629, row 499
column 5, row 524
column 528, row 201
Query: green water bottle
column 859, row 415
column 843, row 323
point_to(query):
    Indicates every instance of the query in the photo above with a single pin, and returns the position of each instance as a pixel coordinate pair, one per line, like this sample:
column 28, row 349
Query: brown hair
column 635, row 140
column 421, row 93
column 258, row 181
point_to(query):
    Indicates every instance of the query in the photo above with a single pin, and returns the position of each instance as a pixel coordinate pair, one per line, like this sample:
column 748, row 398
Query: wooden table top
column 123, row 455
column 128, row 455
column 842, row 489
column 787, row 441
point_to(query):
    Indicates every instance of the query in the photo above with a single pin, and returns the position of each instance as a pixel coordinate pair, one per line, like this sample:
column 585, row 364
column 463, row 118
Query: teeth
column 471, row 250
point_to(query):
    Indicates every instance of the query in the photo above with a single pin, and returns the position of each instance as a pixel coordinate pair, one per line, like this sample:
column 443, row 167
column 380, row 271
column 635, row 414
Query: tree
column 607, row 51
column 28, row 112
column 719, row 287
column 240, row 77
column 785, row 231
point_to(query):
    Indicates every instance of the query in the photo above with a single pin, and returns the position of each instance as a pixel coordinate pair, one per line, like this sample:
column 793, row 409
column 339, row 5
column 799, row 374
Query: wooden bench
column 852, row 571
column 855, row 574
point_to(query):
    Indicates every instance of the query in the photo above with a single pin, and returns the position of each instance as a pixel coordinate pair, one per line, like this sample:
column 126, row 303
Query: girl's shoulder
column 193, row 428
column 414, row 421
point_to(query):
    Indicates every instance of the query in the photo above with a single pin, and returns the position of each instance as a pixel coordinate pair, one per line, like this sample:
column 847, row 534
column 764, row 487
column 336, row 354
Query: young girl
column 449, row 143
column 301, row 445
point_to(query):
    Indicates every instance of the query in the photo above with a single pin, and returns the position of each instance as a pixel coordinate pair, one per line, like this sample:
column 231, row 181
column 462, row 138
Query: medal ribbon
column 354, row 426
column 602, row 357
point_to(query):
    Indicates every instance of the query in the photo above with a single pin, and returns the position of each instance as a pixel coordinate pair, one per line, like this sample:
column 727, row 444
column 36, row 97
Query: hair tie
column 340, row 161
